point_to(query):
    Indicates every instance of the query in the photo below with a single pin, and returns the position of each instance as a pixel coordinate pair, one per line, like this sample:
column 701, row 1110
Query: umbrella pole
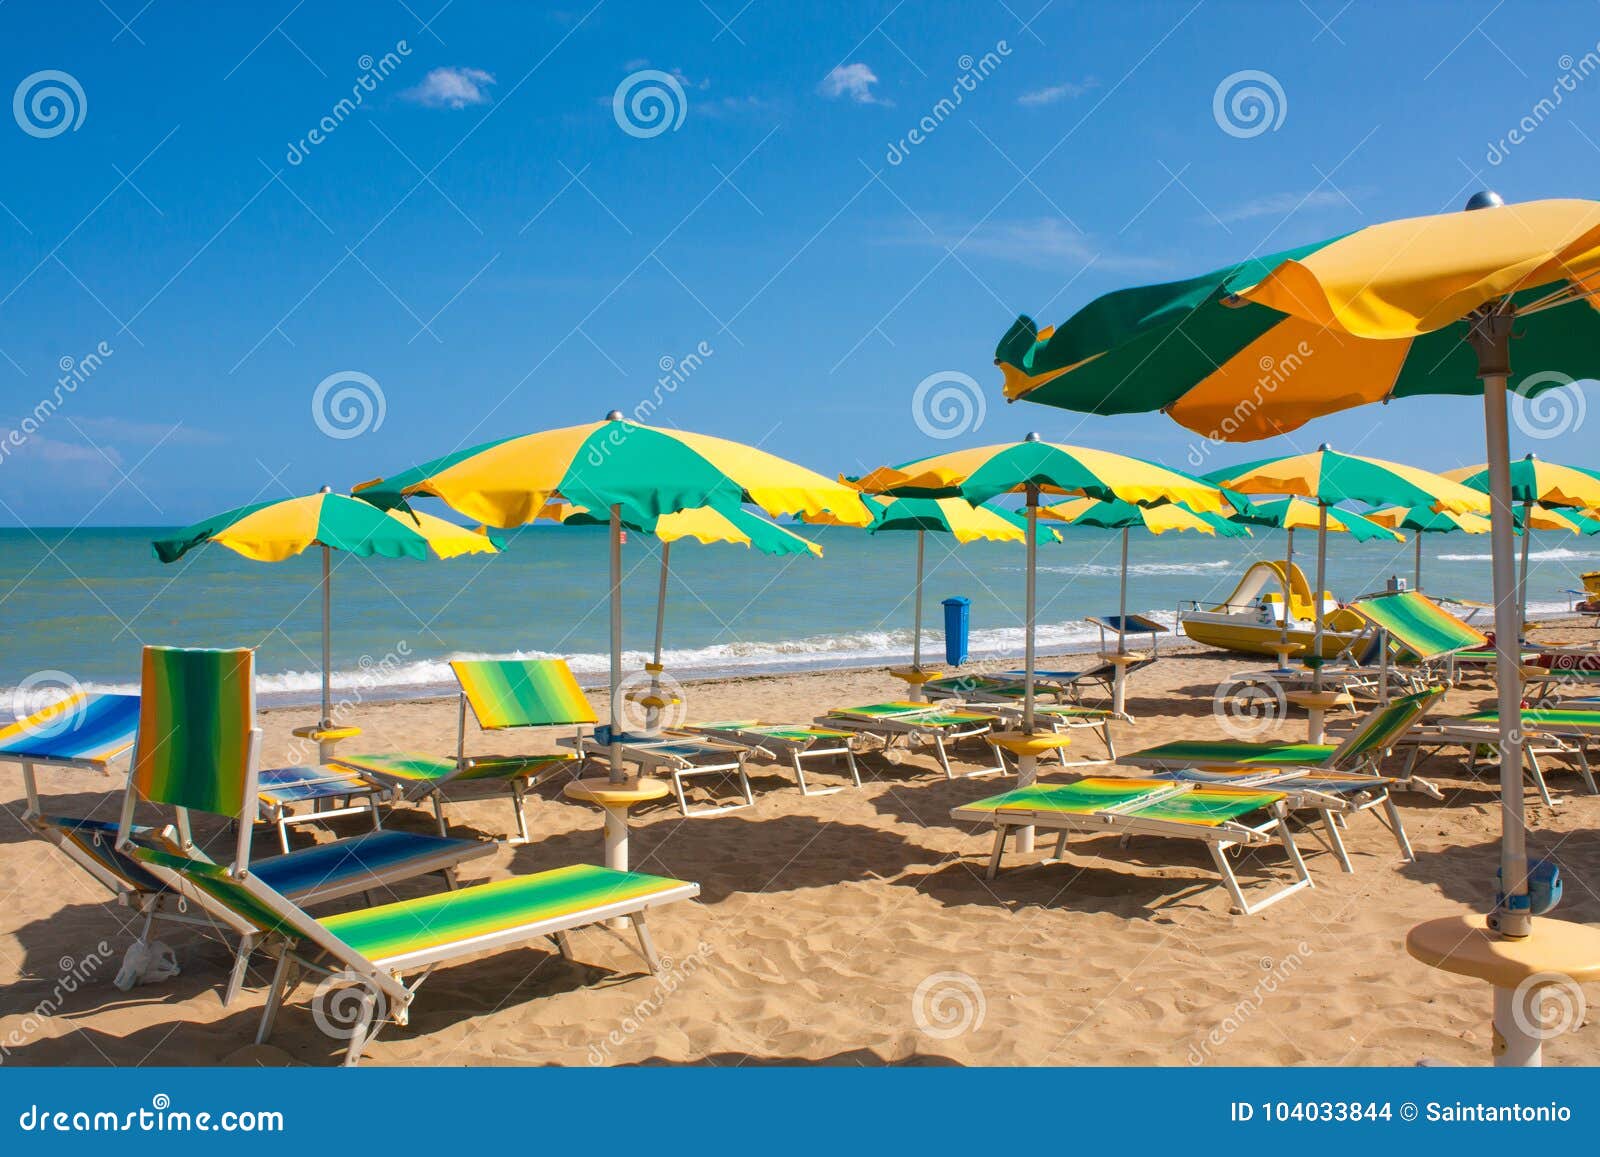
column 327, row 639
column 654, row 707
column 916, row 630
column 1316, row 596
column 1416, row 583
column 614, row 750
column 1028, row 764
column 1522, row 581
column 1490, row 334
column 1119, row 687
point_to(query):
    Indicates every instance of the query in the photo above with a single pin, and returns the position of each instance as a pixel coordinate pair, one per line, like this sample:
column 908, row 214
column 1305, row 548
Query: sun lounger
column 503, row 695
column 1363, row 749
column 797, row 744
column 902, row 725
column 1067, row 685
column 371, row 950
column 1003, row 697
column 1331, row 794
column 1563, row 732
column 1222, row 818
column 681, row 758
column 1545, row 671
column 283, row 789
column 197, row 753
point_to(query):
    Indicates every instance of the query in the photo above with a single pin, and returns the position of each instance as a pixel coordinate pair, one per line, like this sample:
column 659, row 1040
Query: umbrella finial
column 1032, row 436
column 326, row 490
column 614, row 416
column 1325, row 448
column 1485, row 199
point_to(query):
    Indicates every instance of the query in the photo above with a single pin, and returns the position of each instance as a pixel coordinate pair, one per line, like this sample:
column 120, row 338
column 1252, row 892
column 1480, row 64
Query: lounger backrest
column 93, row 845
column 196, row 729
column 1419, row 624
column 1382, row 726
column 82, row 728
column 522, row 692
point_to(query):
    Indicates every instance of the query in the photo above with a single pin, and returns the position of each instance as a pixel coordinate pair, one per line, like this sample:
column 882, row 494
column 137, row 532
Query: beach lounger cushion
column 82, row 728
column 1202, row 807
column 363, row 862
column 1233, row 753
column 422, row 771
column 96, row 842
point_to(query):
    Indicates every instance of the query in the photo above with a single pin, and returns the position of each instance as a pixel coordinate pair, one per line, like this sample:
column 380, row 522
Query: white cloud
column 851, row 80
column 1047, row 242
column 1057, row 92
column 451, row 88
column 1282, row 205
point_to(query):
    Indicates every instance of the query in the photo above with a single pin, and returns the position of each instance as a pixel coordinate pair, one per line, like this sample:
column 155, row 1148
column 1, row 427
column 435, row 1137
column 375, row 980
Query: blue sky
column 482, row 238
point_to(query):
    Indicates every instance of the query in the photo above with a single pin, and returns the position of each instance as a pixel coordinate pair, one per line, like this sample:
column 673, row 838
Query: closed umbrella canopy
column 276, row 530
column 1424, row 305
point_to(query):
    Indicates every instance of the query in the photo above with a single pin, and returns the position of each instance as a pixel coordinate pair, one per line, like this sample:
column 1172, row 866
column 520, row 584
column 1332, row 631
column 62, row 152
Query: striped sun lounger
column 283, row 789
column 372, row 949
column 200, row 704
column 1004, row 697
column 1221, row 817
column 792, row 742
column 900, row 725
column 83, row 730
column 1563, row 732
column 680, row 758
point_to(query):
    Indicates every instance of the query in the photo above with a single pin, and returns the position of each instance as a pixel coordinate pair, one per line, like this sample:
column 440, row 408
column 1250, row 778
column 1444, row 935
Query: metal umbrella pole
column 327, row 639
column 1028, row 762
column 1316, row 595
column 655, row 705
column 1522, row 581
column 614, row 749
column 916, row 633
column 1417, row 582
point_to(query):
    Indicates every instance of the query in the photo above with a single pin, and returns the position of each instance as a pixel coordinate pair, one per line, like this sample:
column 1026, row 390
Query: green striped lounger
column 796, row 743
column 902, row 724
column 1221, row 817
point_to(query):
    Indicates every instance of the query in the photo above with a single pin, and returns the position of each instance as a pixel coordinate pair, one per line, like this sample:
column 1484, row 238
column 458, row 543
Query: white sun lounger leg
column 1534, row 770
column 647, row 947
column 519, row 805
column 1335, row 840
column 944, row 758
column 850, row 762
column 438, row 810
column 800, row 772
column 241, row 961
column 1397, row 827
column 275, row 995
column 1231, row 882
column 1583, row 767
column 1001, row 830
column 364, row 1029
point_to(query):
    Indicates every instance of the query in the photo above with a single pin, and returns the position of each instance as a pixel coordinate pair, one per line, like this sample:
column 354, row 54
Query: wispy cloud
column 1057, row 92
column 451, row 88
column 1046, row 242
column 854, row 81
column 129, row 430
column 1282, row 205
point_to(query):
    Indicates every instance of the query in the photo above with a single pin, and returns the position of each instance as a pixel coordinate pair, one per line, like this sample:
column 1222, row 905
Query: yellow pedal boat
column 1251, row 619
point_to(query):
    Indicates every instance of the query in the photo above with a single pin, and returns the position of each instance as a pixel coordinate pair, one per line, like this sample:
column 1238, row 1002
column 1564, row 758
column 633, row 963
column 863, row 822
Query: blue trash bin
column 957, row 618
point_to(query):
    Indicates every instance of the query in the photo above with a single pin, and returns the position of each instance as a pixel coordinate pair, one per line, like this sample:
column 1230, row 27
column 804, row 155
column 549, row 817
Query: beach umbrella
column 1425, row 305
column 1536, row 482
column 1033, row 468
column 276, row 530
column 1327, row 477
column 1124, row 516
column 634, row 472
column 1420, row 521
column 703, row 524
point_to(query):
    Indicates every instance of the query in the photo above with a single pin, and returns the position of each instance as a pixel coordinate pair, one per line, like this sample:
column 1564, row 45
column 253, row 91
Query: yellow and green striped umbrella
column 1420, row 520
column 634, row 472
column 1424, row 305
column 279, row 529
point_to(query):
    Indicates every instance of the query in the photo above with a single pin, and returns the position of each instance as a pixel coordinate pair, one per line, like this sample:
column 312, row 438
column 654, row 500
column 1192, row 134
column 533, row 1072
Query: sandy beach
column 853, row 928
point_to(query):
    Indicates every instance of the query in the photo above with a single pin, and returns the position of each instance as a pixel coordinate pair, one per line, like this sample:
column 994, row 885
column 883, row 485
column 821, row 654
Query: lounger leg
column 1111, row 744
column 275, row 996
column 646, row 945
column 518, row 803
column 1583, row 767
column 438, row 812
column 283, row 832
column 563, row 944
column 1537, row 773
column 944, row 758
column 677, row 786
column 1335, row 840
column 1225, row 870
column 363, row 1028
column 1061, row 845
column 744, row 785
column 1398, row 828
column 1289, row 846
column 241, row 961
column 850, row 762
column 1000, row 831
column 799, row 771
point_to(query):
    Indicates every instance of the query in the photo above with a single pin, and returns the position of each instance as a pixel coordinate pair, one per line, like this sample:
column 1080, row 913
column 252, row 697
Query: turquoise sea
column 82, row 602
